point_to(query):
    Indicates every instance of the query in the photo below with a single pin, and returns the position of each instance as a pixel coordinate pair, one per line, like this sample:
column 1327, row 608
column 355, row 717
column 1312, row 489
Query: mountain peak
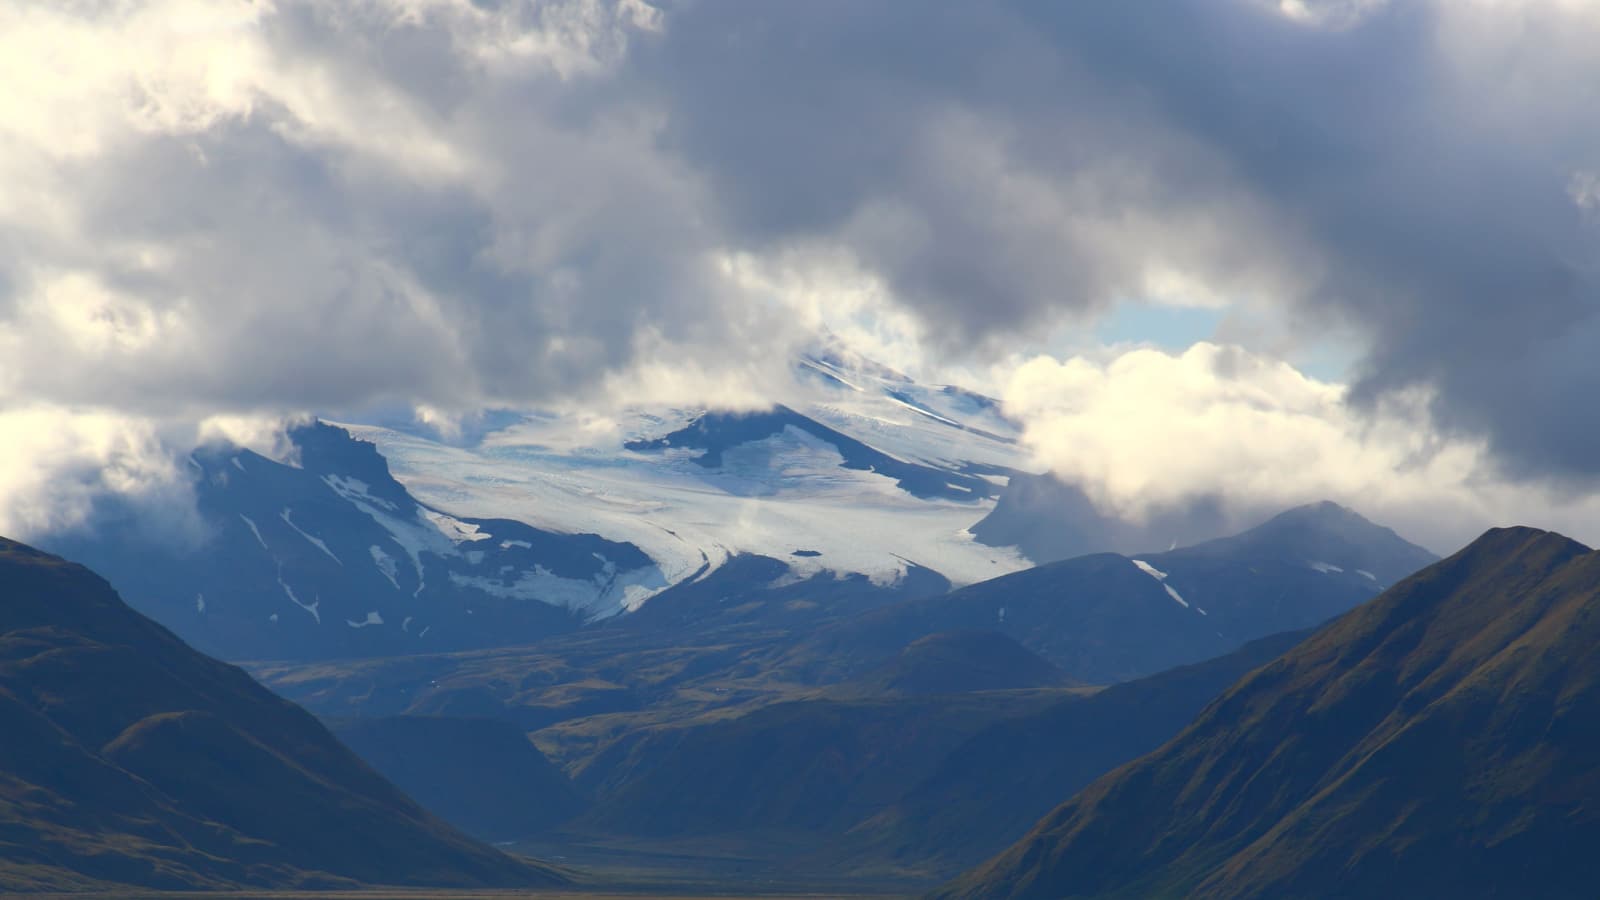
column 1525, row 539
column 1322, row 510
column 1327, row 537
column 1326, row 515
column 1452, row 715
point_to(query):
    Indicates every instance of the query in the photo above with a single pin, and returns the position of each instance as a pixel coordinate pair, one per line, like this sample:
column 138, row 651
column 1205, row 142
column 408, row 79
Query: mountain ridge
column 1186, row 605
column 1438, row 741
column 131, row 759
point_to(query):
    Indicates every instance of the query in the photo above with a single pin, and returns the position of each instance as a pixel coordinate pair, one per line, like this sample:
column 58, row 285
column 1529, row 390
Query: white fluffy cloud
column 1145, row 430
column 260, row 210
column 265, row 209
column 58, row 463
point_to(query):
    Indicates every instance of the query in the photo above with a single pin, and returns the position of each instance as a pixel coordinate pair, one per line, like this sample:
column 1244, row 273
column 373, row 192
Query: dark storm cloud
column 1406, row 176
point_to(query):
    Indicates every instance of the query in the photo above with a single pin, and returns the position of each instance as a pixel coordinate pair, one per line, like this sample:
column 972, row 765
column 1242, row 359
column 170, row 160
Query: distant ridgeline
column 1106, row 617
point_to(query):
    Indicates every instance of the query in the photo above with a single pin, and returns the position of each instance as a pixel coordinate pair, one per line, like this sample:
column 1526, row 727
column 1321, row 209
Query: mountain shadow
column 481, row 775
column 991, row 789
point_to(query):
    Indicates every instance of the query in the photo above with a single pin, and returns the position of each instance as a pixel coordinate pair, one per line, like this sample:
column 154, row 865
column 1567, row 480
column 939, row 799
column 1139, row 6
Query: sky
column 1269, row 251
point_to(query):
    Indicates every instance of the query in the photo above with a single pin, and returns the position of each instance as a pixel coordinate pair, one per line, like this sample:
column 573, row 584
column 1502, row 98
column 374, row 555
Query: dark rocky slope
column 130, row 759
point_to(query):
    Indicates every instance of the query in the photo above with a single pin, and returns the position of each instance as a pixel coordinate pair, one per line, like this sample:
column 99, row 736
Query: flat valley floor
column 617, row 869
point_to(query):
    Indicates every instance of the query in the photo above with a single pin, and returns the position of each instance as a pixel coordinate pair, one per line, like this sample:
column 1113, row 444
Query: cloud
column 307, row 206
column 59, row 464
column 263, row 210
column 1150, row 433
column 274, row 208
column 1404, row 174
column 1147, row 430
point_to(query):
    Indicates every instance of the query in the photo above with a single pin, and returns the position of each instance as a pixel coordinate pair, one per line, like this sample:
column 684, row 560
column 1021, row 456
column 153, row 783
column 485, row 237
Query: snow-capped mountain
column 873, row 474
column 333, row 557
column 379, row 540
column 866, row 490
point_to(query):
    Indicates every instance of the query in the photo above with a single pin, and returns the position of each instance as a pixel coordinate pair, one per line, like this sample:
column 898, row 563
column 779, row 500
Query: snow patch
column 923, row 412
column 1150, row 570
column 1175, row 595
column 507, row 545
column 1367, row 575
column 385, row 564
column 356, row 489
column 606, row 594
column 1160, row 576
column 413, row 534
column 1324, row 568
column 457, row 531
column 255, row 531
column 199, row 603
column 286, row 516
column 237, row 465
column 372, row 619
column 310, row 608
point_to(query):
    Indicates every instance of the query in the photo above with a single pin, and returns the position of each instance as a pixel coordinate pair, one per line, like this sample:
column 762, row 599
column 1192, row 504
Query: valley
column 758, row 729
column 747, row 717
column 602, row 449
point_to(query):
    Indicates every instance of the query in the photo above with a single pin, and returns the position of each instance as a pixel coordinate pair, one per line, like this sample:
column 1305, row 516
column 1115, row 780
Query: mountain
column 1440, row 741
column 480, row 775
column 992, row 788
column 332, row 557
column 758, row 591
column 376, row 540
column 716, row 434
column 859, row 491
column 805, row 768
column 1298, row 569
column 922, row 767
column 1048, row 520
column 893, row 773
column 953, row 662
column 1105, row 617
column 854, row 471
column 130, row 759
